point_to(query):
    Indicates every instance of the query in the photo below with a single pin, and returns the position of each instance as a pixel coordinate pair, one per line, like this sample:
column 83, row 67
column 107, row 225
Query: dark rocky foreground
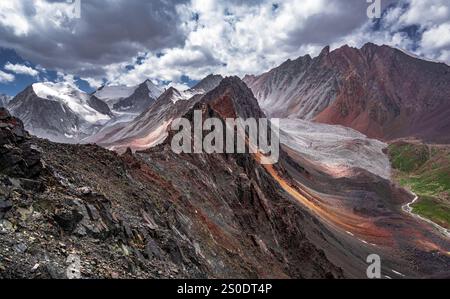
column 153, row 214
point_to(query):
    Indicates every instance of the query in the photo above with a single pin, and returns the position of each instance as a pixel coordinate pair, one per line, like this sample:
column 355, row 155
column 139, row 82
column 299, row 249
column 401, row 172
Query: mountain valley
column 94, row 176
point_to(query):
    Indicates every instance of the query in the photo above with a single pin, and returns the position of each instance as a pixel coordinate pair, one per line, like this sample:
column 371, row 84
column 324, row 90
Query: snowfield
column 339, row 150
column 112, row 94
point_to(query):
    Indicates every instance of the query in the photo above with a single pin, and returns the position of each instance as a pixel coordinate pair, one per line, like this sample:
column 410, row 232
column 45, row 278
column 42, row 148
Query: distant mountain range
column 62, row 112
column 380, row 91
column 157, row 214
column 135, row 99
column 151, row 127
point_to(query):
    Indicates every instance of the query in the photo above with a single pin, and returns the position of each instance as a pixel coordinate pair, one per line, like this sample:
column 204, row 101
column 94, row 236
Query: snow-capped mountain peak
column 154, row 91
column 175, row 95
column 71, row 96
column 131, row 99
column 112, row 94
column 59, row 111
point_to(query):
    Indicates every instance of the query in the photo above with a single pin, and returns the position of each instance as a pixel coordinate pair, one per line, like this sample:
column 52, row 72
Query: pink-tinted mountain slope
column 380, row 91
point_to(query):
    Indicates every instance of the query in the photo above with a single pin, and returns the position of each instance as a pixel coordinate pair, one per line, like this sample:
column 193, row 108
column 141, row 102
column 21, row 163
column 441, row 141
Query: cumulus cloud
column 437, row 37
column 6, row 78
column 420, row 26
column 21, row 69
column 11, row 20
column 240, row 37
column 128, row 41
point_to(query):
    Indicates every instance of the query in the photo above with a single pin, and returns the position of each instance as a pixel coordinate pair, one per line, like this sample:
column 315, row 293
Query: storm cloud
column 107, row 32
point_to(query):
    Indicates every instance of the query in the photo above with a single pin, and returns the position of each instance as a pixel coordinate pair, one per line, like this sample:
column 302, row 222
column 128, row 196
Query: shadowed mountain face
column 141, row 99
column 208, row 83
column 130, row 99
column 233, row 99
column 377, row 90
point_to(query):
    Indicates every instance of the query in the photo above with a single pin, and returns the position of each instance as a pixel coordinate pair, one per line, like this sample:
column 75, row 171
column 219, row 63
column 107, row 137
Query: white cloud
column 93, row 83
column 12, row 16
column 437, row 37
column 48, row 32
column 237, row 38
column 179, row 86
column 66, row 78
column 228, row 37
column 6, row 78
column 21, row 69
column 425, row 12
column 428, row 24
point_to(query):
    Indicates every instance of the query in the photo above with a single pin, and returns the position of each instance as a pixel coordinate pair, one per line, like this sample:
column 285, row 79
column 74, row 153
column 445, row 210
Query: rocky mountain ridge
column 380, row 91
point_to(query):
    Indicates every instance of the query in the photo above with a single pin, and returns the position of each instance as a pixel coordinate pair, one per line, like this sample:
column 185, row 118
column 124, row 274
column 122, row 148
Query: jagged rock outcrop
column 233, row 99
column 17, row 157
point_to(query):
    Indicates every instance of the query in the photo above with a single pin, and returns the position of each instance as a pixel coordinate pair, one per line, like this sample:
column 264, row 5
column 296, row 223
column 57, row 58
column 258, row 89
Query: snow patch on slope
column 155, row 92
column 184, row 95
column 337, row 149
column 154, row 138
column 72, row 97
column 112, row 94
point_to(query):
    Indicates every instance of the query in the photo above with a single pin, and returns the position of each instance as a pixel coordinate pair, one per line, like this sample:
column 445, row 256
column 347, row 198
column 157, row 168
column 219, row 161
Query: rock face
column 4, row 100
column 208, row 83
column 59, row 112
column 17, row 158
column 233, row 99
column 141, row 99
column 300, row 88
column 99, row 105
column 377, row 90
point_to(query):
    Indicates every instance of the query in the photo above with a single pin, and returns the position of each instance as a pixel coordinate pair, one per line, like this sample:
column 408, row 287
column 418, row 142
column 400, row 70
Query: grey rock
column 5, row 206
column 68, row 220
